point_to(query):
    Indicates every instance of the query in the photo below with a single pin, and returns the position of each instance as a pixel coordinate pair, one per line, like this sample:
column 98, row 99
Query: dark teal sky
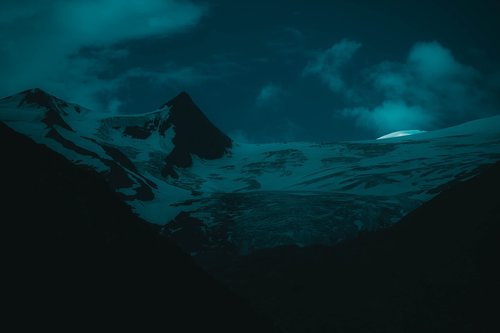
column 264, row 70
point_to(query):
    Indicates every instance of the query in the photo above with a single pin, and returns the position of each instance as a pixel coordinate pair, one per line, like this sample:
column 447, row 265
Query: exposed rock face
column 194, row 135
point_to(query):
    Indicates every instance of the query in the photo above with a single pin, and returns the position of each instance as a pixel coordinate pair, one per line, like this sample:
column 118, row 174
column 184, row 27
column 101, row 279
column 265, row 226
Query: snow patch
column 399, row 134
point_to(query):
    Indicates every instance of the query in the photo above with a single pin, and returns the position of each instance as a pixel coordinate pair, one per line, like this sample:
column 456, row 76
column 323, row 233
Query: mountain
column 393, row 235
column 74, row 256
column 434, row 271
column 195, row 135
column 215, row 197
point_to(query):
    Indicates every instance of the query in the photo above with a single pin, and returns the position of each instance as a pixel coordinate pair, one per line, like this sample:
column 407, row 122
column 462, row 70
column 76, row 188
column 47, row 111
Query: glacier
column 212, row 195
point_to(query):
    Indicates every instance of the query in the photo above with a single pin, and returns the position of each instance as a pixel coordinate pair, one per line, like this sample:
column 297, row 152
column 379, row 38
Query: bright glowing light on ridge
column 400, row 133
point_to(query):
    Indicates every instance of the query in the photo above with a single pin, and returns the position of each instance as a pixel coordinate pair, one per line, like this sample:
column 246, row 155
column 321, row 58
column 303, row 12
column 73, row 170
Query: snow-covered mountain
column 177, row 170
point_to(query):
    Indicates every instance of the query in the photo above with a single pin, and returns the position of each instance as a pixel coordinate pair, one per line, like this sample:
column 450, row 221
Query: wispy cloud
column 185, row 75
column 66, row 46
column 391, row 116
column 328, row 65
column 287, row 41
column 269, row 94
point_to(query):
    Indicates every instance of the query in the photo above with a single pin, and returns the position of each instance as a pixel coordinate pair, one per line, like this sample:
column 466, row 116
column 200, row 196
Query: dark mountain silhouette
column 74, row 253
column 194, row 135
column 435, row 271
column 75, row 256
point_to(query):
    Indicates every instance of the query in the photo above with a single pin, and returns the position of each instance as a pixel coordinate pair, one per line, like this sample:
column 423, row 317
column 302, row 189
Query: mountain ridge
column 194, row 135
column 434, row 271
column 255, row 196
column 76, row 256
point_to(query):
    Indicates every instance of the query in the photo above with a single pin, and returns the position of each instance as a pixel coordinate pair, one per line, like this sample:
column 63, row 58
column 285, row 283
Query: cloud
column 328, row 64
column 269, row 94
column 67, row 47
column 184, row 75
column 240, row 136
column 391, row 115
column 431, row 61
column 287, row 41
column 431, row 89
column 103, row 22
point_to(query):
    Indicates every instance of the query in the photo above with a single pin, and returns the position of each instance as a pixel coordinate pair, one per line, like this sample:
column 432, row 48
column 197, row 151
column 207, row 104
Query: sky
column 264, row 71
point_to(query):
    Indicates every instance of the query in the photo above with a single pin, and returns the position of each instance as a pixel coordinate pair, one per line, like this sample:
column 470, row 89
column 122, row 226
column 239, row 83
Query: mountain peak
column 38, row 97
column 35, row 90
column 52, row 107
column 195, row 134
column 181, row 98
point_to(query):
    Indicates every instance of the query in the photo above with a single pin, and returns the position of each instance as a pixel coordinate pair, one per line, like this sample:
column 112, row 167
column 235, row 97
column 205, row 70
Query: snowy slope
column 241, row 197
column 399, row 134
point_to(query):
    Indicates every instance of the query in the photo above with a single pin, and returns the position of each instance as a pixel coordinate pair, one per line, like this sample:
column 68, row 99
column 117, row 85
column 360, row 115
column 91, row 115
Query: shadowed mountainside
column 435, row 271
column 74, row 256
column 173, row 163
column 69, row 238
column 194, row 135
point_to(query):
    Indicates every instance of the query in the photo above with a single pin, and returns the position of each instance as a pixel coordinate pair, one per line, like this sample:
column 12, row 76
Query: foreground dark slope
column 75, row 256
column 435, row 271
